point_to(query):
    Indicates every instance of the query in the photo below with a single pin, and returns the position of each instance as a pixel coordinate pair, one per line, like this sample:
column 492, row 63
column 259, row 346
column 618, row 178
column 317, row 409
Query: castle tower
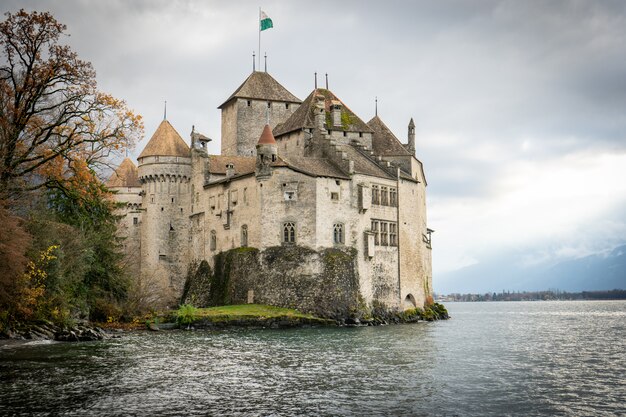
column 411, row 137
column 266, row 153
column 165, row 172
column 125, row 183
column 247, row 110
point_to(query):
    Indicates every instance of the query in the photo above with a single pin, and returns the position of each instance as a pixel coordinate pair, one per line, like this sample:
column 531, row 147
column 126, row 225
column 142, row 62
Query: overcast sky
column 520, row 106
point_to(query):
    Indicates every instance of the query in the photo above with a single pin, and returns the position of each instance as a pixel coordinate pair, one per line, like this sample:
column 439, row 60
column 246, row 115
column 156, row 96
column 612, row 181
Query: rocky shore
column 45, row 330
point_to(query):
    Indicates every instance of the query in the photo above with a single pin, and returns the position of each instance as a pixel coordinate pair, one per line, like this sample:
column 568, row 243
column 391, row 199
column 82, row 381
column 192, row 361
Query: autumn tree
column 54, row 123
column 57, row 132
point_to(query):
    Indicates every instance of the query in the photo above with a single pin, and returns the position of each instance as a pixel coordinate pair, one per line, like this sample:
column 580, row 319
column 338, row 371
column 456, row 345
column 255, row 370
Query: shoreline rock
column 83, row 332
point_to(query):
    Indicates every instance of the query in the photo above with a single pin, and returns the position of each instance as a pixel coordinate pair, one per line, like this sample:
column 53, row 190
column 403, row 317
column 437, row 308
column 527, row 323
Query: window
column 334, row 196
column 384, row 196
column 245, row 196
column 244, row 235
column 338, row 233
column 393, row 234
column 375, row 194
column 135, row 221
column 383, row 234
column 289, row 232
column 269, row 104
column 152, row 198
column 213, row 243
column 290, row 195
column 286, row 105
column 393, row 197
column 249, row 103
column 375, row 231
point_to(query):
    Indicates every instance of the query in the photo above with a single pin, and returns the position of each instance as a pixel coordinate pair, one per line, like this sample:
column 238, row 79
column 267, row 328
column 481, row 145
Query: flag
column 266, row 22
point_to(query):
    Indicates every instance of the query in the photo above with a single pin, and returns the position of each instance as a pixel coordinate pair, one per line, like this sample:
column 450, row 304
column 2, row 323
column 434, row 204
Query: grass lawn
column 250, row 310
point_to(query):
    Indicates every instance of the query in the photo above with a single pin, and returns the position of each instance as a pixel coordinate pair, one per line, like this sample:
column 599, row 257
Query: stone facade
column 332, row 208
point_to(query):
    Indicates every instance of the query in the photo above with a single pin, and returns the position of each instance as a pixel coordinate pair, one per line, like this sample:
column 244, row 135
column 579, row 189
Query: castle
column 320, row 210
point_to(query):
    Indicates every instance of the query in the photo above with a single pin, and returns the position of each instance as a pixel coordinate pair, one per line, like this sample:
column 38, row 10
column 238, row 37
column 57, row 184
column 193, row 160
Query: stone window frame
column 375, row 194
column 393, row 234
column 384, row 234
column 375, row 225
column 135, row 221
column 213, row 241
column 289, row 232
column 339, row 233
column 393, row 197
column 244, row 235
column 384, row 195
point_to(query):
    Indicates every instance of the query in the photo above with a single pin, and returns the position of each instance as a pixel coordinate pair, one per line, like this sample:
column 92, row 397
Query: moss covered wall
column 323, row 283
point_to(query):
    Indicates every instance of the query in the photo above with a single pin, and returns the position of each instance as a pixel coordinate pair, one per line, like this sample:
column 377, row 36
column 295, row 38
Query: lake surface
column 490, row 359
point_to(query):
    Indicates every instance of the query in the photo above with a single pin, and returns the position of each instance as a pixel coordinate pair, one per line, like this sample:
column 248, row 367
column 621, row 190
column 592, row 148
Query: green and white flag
column 266, row 22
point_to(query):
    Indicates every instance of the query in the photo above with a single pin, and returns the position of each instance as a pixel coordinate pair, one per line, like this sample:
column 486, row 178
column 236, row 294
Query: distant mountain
column 594, row 272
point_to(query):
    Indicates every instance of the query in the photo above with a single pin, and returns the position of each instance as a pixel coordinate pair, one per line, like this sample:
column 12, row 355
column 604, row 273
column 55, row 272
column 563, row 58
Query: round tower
column 165, row 174
column 266, row 153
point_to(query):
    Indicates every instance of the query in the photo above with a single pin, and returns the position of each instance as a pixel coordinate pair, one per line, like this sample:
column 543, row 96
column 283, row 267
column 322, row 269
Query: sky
column 520, row 107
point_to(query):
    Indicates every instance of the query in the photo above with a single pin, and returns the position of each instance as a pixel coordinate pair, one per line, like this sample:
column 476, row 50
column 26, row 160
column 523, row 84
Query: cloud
column 520, row 106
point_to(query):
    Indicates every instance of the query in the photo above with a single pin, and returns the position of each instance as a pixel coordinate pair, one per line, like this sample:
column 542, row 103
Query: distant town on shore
column 535, row 296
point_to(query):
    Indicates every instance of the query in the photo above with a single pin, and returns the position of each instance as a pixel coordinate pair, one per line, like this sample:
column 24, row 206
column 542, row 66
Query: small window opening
column 244, row 235
column 213, row 242
column 286, row 105
column 360, row 134
column 289, row 232
column 338, row 233
column 334, row 196
column 161, row 208
column 135, row 220
column 345, row 134
column 249, row 103
column 269, row 104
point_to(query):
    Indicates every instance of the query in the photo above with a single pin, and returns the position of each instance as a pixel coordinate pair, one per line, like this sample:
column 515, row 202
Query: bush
column 186, row 314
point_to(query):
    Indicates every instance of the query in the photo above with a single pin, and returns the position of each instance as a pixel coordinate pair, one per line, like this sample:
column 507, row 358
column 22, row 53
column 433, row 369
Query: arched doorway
column 409, row 302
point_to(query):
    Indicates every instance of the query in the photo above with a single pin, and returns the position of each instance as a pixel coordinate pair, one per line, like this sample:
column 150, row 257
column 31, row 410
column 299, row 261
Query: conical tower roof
column 165, row 142
column 262, row 86
column 125, row 175
column 267, row 138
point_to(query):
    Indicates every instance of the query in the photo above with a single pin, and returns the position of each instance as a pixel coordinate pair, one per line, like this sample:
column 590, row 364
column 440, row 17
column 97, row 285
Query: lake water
column 490, row 359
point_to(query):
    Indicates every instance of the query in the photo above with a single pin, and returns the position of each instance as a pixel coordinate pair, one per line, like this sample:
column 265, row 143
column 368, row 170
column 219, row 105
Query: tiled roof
column 364, row 164
column 262, row 86
column 304, row 116
column 126, row 175
column 243, row 164
column 317, row 167
column 165, row 142
column 384, row 142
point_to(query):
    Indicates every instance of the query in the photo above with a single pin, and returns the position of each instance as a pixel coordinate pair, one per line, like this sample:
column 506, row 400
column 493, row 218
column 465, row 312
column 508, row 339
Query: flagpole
column 259, row 24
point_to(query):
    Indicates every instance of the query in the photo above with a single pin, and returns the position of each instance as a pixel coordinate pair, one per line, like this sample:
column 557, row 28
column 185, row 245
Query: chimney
column 230, row 170
column 335, row 112
column 320, row 112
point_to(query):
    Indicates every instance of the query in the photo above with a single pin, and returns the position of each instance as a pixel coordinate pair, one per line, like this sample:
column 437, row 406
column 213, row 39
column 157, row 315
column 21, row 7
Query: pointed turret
column 411, row 144
column 165, row 142
column 266, row 153
column 125, row 175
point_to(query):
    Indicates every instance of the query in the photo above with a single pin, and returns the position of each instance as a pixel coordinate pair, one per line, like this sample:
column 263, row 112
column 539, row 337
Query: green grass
column 250, row 310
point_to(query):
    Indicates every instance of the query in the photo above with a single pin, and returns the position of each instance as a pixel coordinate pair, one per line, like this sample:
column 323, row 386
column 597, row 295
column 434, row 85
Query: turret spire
column 165, row 111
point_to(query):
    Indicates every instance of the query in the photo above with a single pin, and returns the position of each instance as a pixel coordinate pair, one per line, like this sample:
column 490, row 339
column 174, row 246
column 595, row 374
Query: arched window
column 289, row 232
column 338, row 233
column 213, row 240
column 244, row 235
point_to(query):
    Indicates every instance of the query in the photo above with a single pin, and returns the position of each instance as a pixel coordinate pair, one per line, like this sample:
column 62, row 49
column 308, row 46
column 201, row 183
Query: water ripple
column 491, row 359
